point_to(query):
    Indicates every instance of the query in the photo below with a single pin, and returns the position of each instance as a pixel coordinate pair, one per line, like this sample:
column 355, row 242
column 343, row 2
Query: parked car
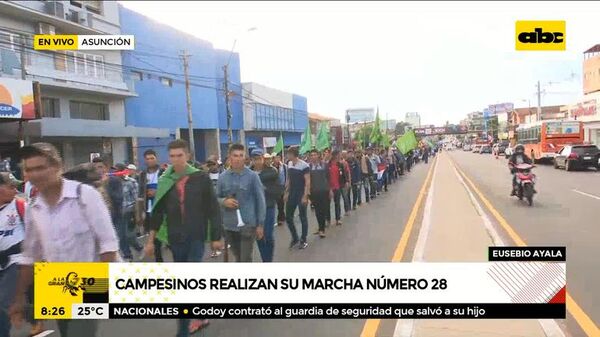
column 508, row 152
column 577, row 156
column 502, row 146
column 485, row 149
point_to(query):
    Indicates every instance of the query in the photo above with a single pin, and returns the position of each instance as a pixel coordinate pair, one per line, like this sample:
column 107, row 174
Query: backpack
column 369, row 167
column 342, row 173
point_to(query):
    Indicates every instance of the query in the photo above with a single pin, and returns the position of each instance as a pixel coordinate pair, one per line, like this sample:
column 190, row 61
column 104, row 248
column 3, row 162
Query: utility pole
column 539, row 105
column 226, row 85
column 348, row 129
column 185, row 56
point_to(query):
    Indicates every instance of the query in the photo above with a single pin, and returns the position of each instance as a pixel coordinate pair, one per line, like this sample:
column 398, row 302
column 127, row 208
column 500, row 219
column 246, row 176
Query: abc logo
column 540, row 35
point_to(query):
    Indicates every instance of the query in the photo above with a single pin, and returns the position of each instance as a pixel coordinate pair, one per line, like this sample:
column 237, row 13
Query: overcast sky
column 441, row 59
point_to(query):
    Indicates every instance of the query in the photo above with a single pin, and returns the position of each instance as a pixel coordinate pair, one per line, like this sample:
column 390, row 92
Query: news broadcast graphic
column 527, row 254
column 541, row 35
column 84, row 42
column 300, row 290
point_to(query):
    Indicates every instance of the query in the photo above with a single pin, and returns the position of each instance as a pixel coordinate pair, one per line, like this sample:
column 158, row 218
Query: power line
column 106, row 65
column 119, row 68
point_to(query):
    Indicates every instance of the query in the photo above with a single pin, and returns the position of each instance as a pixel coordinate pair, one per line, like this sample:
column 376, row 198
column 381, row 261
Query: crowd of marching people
column 114, row 213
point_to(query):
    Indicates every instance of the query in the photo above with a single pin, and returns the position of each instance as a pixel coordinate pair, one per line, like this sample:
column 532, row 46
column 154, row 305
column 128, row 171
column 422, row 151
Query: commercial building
column 83, row 93
column 388, row 124
column 586, row 110
column 475, row 121
column 155, row 68
column 269, row 113
column 591, row 70
column 413, row 119
column 503, row 126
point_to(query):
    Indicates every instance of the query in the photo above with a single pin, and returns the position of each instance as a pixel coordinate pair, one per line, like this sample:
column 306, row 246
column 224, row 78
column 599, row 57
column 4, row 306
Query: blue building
column 270, row 112
column 156, row 68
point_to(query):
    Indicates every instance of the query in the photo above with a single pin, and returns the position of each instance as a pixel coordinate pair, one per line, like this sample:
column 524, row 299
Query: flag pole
column 283, row 148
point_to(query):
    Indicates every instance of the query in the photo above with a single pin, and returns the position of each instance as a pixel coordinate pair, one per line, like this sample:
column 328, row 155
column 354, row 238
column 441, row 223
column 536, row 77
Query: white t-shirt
column 151, row 183
column 12, row 230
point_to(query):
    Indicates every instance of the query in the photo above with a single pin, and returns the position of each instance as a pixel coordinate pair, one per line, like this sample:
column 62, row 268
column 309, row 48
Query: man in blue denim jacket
column 242, row 198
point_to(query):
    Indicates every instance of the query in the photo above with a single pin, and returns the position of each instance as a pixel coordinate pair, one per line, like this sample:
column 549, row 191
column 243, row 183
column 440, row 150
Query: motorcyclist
column 518, row 157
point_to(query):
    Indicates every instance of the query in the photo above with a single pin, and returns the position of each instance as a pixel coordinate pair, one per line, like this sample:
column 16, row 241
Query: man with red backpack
column 339, row 177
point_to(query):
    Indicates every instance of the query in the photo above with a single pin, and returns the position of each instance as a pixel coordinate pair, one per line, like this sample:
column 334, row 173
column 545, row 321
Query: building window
column 85, row 64
column 86, row 110
column 8, row 40
column 166, row 81
column 137, row 75
column 51, row 107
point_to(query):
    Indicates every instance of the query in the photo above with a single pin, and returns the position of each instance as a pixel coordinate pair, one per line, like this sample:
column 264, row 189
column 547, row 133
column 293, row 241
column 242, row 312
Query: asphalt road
column 371, row 233
column 565, row 213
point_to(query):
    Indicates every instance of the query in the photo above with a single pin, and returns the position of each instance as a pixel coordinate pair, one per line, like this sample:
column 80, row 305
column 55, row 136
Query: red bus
column 543, row 139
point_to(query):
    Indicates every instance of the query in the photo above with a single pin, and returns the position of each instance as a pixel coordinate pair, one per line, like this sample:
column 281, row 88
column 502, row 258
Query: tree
column 364, row 132
column 401, row 128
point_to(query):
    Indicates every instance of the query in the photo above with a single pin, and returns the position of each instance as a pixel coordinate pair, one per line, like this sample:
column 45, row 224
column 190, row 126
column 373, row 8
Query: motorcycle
column 525, row 180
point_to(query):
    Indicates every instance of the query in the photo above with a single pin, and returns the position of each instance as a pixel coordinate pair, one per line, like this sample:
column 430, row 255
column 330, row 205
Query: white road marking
column 44, row 333
column 404, row 327
column 419, row 252
column 550, row 327
column 586, row 194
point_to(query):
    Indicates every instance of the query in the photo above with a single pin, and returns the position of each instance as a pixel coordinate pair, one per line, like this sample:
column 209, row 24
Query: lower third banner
column 526, row 290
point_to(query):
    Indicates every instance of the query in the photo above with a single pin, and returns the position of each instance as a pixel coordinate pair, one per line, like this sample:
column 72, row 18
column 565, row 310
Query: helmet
column 519, row 148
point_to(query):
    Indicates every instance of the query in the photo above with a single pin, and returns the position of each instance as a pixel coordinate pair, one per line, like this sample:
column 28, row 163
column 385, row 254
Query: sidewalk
column 457, row 234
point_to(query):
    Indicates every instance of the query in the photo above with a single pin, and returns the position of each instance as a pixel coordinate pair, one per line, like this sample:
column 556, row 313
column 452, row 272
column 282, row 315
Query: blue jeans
column 337, row 194
column 186, row 251
column 121, row 227
column 8, row 284
column 289, row 217
column 267, row 244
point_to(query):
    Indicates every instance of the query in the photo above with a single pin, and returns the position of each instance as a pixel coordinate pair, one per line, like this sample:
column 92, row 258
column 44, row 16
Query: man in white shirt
column 67, row 222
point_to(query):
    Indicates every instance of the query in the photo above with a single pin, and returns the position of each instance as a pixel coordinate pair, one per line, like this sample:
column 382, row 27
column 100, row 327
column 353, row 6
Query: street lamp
column 227, row 92
column 528, row 106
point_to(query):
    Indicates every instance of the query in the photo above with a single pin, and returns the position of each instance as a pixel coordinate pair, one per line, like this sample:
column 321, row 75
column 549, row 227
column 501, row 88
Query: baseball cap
column 40, row 149
column 256, row 153
column 132, row 167
column 7, row 178
column 120, row 167
column 267, row 156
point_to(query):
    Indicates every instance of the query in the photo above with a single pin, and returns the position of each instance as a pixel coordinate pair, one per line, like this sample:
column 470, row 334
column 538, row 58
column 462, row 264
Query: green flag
column 376, row 132
column 429, row 142
column 306, row 144
column 279, row 146
column 407, row 142
column 385, row 140
column 323, row 138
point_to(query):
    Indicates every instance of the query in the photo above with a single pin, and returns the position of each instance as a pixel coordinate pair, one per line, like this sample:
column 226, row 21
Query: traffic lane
column 369, row 234
column 559, row 216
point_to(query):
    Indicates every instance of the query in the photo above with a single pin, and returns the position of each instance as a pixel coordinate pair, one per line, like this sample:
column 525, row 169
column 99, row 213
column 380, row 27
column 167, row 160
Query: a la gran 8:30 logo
column 72, row 283
column 541, row 35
